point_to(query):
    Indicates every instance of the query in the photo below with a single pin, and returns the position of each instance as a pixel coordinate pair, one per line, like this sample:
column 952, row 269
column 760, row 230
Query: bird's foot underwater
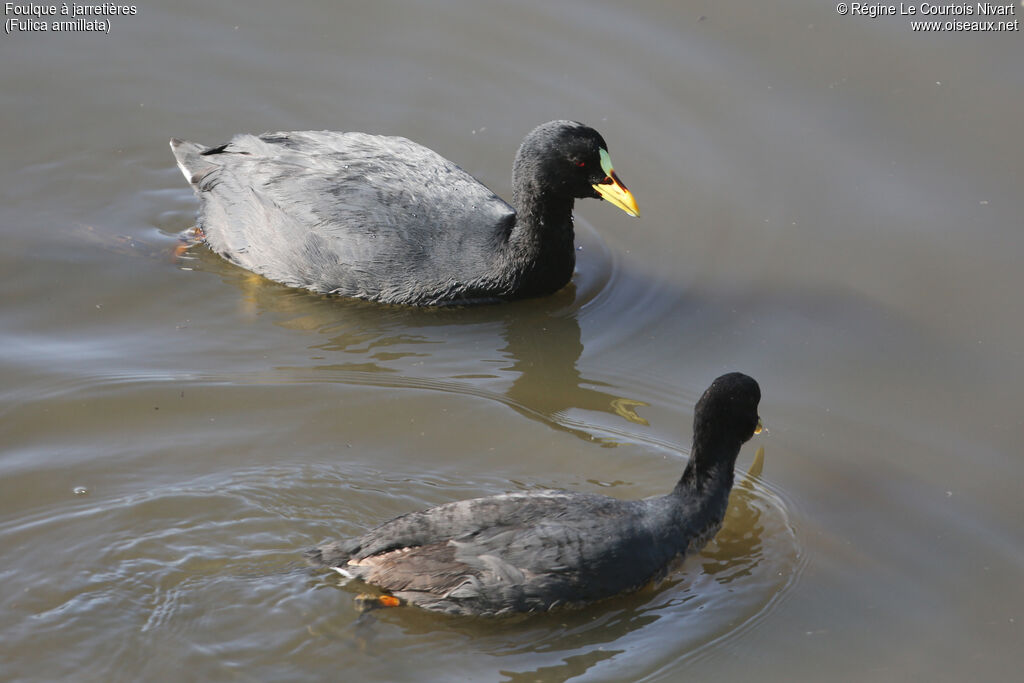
column 188, row 239
column 366, row 602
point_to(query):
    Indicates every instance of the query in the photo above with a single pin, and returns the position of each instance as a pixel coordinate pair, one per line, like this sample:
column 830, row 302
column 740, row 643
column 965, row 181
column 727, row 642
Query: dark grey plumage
column 534, row 551
column 386, row 219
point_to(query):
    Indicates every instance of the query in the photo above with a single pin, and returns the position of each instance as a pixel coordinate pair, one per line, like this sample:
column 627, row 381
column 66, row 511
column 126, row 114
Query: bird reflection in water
column 522, row 354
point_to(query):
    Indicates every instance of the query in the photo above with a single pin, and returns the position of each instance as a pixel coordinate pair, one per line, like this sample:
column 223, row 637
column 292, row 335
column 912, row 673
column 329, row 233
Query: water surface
column 829, row 203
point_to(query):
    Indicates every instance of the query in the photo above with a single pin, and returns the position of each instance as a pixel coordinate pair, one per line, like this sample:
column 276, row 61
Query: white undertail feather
column 344, row 572
column 184, row 171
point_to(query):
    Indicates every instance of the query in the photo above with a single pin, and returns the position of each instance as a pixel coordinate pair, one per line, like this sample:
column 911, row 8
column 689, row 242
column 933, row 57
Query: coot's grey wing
column 361, row 215
column 602, row 547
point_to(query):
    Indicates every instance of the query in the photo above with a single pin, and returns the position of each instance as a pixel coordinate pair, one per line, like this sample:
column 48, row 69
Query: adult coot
column 385, row 219
column 529, row 552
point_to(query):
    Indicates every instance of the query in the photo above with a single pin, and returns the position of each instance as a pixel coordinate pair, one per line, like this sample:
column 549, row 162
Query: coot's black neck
column 692, row 513
column 542, row 240
column 711, row 466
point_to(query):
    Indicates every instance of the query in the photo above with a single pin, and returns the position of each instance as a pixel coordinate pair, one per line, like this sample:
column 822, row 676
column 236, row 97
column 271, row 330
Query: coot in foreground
column 386, row 219
column 534, row 551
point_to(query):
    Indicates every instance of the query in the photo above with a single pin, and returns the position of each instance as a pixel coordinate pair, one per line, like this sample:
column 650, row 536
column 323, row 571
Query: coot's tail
column 191, row 160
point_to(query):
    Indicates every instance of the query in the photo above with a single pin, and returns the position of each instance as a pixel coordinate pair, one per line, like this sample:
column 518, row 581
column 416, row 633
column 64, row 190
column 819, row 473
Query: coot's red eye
column 581, row 164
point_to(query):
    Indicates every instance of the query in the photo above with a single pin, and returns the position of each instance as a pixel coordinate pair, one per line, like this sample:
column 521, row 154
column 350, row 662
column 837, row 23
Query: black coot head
column 728, row 409
column 573, row 159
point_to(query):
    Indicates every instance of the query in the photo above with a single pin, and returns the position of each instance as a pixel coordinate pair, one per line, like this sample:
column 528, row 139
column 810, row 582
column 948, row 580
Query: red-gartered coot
column 535, row 551
column 388, row 220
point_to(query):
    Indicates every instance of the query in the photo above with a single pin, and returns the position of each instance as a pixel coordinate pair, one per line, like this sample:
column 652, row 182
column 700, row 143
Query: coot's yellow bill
column 612, row 189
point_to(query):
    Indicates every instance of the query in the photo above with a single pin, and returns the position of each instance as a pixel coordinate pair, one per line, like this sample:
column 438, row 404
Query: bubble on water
column 80, row 491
